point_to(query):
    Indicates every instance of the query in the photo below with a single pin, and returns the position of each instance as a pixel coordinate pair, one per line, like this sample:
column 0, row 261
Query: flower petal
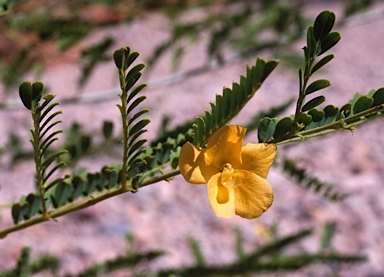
column 253, row 196
column 221, row 198
column 224, row 146
column 192, row 165
column 258, row 158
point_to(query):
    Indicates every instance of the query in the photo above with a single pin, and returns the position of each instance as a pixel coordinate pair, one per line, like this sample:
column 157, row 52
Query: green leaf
column 34, row 205
column 327, row 235
column 266, row 129
column 313, row 103
column 323, row 24
column 136, row 103
column 317, row 85
column 378, row 97
column 138, row 126
column 25, row 93
column 78, row 188
column 316, row 114
column 306, row 181
column 47, row 110
column 311, row 43
column 137, row 115
column 283, row 127
column 42, row 126
column 345, row 111
column 16, row 213
column 362, row 104
column 268, row 68
column 107, row 129
column 330, row 113
column 131, row 58
column 52, row 157
column 137, row 145
column 133, row 73
column 328, row 42
column 134, row 92
column 48, row 98
column 37, row 90
column 321, row 63
column 60, row 194
column 304, row 118
column 120, row 58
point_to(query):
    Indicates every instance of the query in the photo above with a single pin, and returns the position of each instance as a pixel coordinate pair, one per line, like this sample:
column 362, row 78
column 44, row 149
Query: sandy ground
column 166, row 214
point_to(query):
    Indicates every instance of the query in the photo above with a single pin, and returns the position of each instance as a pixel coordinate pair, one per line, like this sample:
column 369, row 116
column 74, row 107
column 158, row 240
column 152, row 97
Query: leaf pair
column 30, row 94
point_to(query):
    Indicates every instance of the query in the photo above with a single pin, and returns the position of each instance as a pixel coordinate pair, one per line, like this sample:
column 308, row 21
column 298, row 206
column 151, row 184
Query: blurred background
column 192, row 50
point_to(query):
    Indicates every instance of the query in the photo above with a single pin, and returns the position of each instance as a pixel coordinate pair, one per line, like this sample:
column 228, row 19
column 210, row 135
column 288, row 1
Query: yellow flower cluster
column 234, row 174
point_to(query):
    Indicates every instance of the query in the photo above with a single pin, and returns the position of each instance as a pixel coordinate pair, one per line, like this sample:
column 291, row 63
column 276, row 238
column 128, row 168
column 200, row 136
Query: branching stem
column 348, row 123
column 83, row 204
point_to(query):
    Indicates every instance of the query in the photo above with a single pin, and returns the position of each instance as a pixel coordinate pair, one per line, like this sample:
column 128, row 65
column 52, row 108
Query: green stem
column 38, row 158
column 303, row 86
column 346, row 124
column 124, row 116
column 83, row 204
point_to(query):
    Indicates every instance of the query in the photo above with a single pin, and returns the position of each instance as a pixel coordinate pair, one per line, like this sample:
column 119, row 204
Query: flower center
column 227, row 178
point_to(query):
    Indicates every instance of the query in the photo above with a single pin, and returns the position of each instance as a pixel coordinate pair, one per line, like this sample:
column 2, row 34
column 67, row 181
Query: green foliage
column 354, row 6
column 308, row 120
column 13, row 70
column 25, row 267
column 144, row 165
column 42, row 138
column 255, row 121
column 77, row 142
column 133, row 125
column 196, row 252
column 229, row 104
column 305, row 180
column 270, row 258
column 238, row 29
column 327, row 235
column 93, row 56
column 273, row 256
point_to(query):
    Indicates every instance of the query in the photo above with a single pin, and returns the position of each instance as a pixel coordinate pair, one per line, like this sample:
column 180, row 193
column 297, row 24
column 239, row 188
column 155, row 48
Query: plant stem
column 38, row 158
column 347, row 124
column 124, row 116
column 303, row 86
column 83, row 204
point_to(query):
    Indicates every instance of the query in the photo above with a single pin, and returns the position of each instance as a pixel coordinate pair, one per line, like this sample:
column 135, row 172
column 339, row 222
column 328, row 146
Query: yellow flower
column 234, row 174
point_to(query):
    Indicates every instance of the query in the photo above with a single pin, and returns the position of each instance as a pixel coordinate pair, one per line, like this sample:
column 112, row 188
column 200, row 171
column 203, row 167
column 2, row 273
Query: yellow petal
column 221, row 198
column 254, row 196
column 258, row 158
column 224, row 146
column 192, row 165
